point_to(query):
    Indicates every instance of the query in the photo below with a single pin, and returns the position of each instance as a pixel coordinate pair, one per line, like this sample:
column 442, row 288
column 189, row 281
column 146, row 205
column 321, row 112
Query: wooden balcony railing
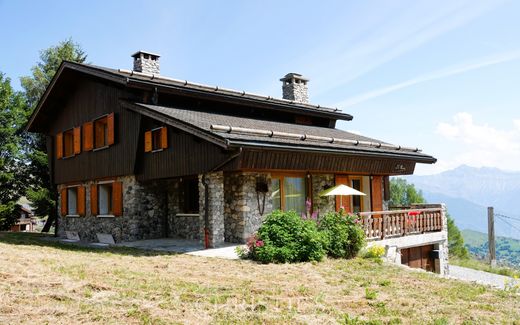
column 387, row 224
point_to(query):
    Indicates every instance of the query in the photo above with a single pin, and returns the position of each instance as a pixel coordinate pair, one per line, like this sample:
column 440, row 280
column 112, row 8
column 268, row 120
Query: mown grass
column 46, row 282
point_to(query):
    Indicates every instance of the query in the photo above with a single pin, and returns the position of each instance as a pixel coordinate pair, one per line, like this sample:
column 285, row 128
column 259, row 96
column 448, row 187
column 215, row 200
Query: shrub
column 374, row 251
column 343, row 234
column 286, row 237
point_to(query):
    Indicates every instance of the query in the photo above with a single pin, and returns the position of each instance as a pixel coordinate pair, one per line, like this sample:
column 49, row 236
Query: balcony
column 381, row 225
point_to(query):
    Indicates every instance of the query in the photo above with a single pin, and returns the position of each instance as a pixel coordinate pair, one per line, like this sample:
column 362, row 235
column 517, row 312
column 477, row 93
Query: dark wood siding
column 86, row 101
column 185, row 155
column 283, row 160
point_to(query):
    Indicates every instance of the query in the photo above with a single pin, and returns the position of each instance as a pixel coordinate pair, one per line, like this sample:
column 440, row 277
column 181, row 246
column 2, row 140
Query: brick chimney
column 295, row 88
column 146, row 62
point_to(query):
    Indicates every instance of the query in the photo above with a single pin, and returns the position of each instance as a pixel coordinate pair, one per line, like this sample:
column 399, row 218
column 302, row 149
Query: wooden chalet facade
column 138, row 155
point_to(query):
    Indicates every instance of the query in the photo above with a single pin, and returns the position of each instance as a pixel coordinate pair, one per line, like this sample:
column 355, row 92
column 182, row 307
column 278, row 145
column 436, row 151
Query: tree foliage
column 40, row 191
column 404, row 194
column 12, row 118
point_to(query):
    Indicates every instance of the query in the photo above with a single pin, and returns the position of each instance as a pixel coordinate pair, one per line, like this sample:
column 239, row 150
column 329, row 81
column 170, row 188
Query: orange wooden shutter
column 110, row 129
column 81, row 200
column 63, row 207
column 117, row 198
column 59, row 145
column 164, row 137
column 148, row 141
column 377, row 193
column 77, row 140
column 343, row 199
column 88, row 136
column 93, row 200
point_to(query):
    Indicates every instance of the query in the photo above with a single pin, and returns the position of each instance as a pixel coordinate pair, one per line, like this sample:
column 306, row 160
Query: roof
column 234, row 131
column 133, row 78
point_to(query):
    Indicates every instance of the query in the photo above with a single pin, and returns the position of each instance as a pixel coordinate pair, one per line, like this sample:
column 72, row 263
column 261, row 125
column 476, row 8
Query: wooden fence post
column 491, row 237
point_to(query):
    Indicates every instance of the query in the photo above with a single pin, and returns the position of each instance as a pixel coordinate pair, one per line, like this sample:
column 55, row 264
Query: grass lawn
column 45, row 282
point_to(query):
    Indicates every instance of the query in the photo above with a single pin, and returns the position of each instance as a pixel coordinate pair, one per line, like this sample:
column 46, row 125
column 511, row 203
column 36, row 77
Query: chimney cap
column 138, row 54
column 293, row 75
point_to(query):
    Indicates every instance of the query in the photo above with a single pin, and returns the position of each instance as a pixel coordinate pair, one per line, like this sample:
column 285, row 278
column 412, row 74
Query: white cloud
column 480, row 144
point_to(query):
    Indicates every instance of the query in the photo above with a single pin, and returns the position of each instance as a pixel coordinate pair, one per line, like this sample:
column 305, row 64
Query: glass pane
column 356, row 199
column 72, row 200
column 294, row 194
column 105, row 198
column 275, row 194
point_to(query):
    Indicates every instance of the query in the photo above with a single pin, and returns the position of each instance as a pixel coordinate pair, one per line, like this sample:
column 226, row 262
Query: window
column 156, row 139
column 357, row 200
column 72, row 201
column 105, row 199
column 68, row 143
column 190, row 195
column 101, row 132
column 288, row 193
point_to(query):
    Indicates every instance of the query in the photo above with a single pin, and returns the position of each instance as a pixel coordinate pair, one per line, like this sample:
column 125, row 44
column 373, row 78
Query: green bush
column 286, row 237
column 343, row 234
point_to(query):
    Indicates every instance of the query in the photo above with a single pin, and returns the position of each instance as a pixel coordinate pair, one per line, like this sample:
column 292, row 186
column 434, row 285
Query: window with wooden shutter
column 377, row 193
column 59, row 145
column 68, row 143
column 164, row 137
column 110, row 129
column 63, row 202
column 77, row 140
column 117, row 198
column 93, row 200
column 88, row 136
column 81, row 201
column 148, row 141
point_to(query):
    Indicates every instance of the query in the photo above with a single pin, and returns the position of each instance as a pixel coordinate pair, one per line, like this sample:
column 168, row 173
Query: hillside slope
column 507, row 249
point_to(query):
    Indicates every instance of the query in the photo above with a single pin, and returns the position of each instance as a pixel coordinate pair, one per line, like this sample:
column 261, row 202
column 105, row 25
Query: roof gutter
column 420, row 159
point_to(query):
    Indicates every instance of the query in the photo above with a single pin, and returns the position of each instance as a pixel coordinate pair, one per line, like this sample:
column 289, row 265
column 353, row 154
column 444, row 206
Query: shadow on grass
column 46, row 240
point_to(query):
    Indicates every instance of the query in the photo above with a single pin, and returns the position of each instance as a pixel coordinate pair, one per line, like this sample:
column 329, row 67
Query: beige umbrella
column 341, row 190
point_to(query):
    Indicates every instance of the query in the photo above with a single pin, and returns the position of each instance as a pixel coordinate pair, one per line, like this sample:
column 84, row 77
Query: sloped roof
column 239, row 131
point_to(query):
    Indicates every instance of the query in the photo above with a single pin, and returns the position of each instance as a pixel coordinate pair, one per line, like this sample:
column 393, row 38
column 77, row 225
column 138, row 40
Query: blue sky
column 440, row 75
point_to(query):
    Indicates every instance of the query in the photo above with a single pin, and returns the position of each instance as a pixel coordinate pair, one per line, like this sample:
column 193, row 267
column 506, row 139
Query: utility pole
column 491, row 237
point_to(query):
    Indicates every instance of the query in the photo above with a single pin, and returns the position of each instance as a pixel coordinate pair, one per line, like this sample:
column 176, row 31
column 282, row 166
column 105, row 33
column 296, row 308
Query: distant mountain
column 468, row 191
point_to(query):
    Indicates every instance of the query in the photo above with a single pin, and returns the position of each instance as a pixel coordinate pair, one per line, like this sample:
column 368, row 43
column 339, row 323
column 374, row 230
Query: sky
column 439, row 75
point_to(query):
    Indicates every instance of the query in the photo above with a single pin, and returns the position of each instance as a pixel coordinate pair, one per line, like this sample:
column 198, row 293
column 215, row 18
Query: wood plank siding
column 283, row 160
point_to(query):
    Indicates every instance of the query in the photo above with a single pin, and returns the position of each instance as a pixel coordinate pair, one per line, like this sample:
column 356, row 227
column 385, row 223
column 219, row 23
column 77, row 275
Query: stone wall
column 180, row 225
column 321, row 182
column 244, row 207
column 215, row 183
column 144, row 211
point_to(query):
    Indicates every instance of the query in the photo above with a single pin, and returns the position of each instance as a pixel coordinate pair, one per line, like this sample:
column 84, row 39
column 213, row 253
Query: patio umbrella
column 341, row 190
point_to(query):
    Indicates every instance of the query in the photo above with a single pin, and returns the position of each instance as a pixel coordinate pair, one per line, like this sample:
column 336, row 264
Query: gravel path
column 481, row 277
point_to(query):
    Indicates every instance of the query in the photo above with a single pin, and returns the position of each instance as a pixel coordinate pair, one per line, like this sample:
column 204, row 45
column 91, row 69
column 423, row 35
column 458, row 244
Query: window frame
column 156, row 132
column 281, row 177
column 69, row 132
column 70, row 188
column 185, row 186
column 110, row 213
column 361, row 197
column 105, row 134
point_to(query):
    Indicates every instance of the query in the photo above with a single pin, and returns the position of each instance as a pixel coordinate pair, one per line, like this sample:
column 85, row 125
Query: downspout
column 206, row 196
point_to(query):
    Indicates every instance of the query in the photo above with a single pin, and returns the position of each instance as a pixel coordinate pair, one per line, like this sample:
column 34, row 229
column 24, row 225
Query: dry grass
column 44, row 282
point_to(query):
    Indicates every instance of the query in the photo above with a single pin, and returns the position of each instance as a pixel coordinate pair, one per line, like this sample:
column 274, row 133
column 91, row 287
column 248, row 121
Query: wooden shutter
column 63, row 208
column 88, row 136
column 93, row 199
column 164, row 137
column 77, row 140
column 148, row 141
column 59, row 145
column 343, row 179
column 377, row 194
column 81, row 200
column 110, row 129
column 117, row 198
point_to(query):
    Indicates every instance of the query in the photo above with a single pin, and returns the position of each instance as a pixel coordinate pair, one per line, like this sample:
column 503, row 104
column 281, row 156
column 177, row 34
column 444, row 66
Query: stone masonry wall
column 144, row 208
column 215, row 183
column 180, row 225
column 321, row 182
column 243, row 205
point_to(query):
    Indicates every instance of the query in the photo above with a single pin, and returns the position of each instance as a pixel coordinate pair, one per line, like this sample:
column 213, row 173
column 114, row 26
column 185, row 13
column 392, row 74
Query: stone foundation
column 321, row 182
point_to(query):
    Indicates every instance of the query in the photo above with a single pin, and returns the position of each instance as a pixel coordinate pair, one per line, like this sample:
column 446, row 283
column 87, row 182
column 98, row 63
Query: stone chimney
column 295, row 88
column 146, row 62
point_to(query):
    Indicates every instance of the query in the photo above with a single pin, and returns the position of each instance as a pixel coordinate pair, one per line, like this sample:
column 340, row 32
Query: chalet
column 25, row 220
column 138, row 155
